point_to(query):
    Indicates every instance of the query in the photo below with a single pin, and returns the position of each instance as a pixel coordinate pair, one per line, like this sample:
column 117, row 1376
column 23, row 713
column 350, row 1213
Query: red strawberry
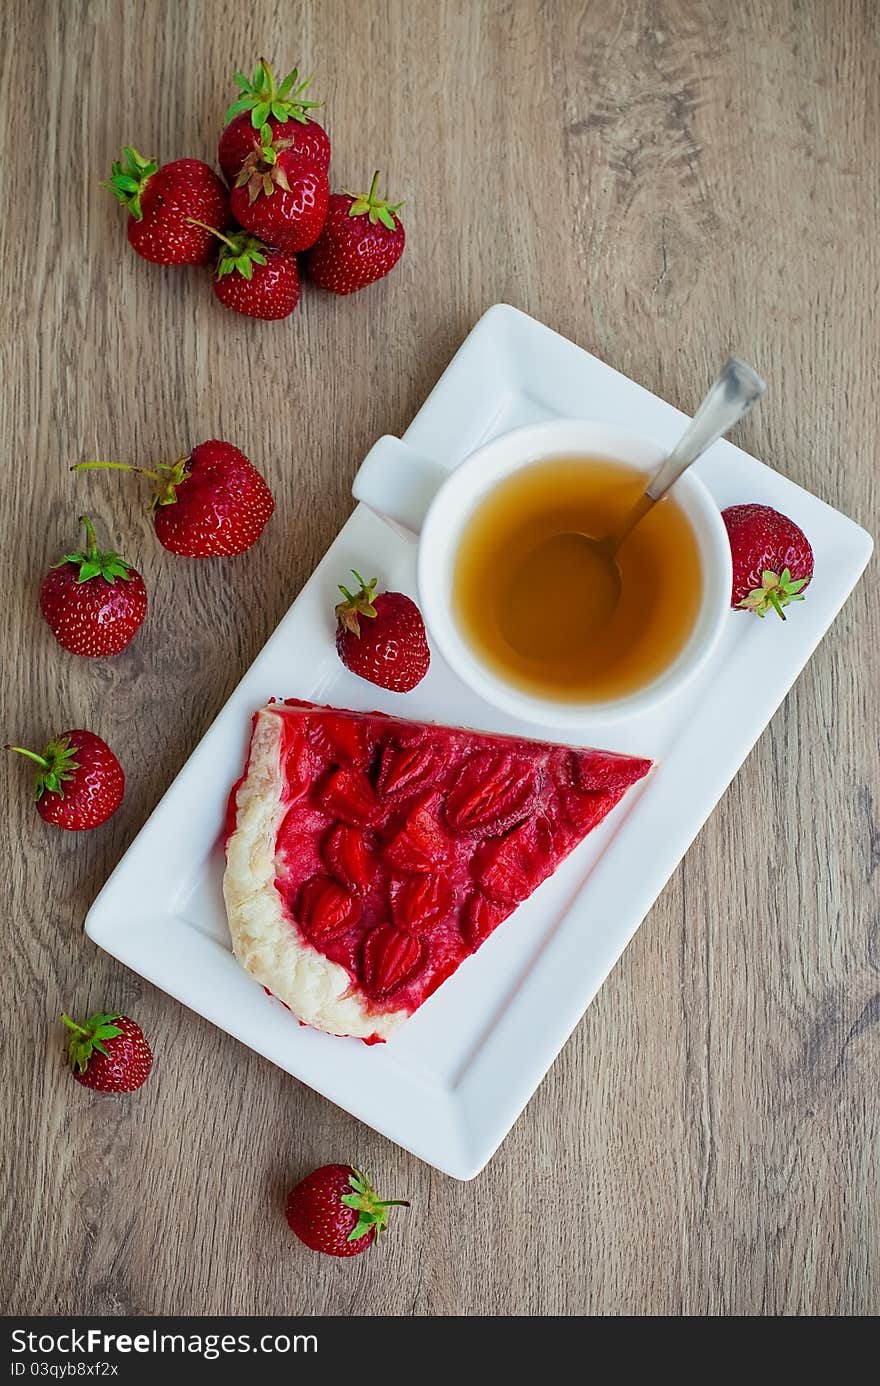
column 772, row 559
column 93, row 602
column 509, row 868
column 342, row 739
column 492, row 792
column 326, row 909
column 79, row 782
column 213, row 503
column 283, row 108
column 584, row 809
column 390, row 958
column 479, row 918
column 280, row 195
column 167, row 204
column 346, row 793
column 254, row 279
column 420, row 903
column 392, row 650
column 335, row 1210
column 109, row 1053
column 361, row 242
column 406, row 766
column 420, row 843
column 345, row 852
column 592, row 770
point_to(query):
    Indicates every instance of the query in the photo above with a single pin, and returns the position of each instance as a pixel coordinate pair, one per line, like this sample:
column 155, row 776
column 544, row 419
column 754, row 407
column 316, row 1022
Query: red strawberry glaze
column 469, row 824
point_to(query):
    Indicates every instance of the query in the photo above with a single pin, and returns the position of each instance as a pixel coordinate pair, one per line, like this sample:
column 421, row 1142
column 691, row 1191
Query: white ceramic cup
column 433, row 505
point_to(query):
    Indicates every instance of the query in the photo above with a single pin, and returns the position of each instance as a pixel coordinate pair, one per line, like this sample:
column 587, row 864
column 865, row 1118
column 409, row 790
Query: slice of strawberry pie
column 368, row 857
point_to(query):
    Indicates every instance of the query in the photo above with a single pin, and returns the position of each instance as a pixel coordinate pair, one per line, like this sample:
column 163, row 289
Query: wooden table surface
column 662, row 181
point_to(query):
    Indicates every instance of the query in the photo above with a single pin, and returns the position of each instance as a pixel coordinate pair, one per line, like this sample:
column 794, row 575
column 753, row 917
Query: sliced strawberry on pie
column 368, row 856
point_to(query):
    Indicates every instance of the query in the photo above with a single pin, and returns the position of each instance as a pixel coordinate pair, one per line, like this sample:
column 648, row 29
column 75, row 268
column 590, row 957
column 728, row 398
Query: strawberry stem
column 370, row 1209
column 56, row 765
column 116, row 467
column 193, row 221
column 31, row 755
column 356, row 604
column 72, row 1025
column 92, row 563
column 776, row 591
column 262, row 97
column 90, row 535
column 166, row 476
column 129, row 179
column 85, row 1039
column 375, row 207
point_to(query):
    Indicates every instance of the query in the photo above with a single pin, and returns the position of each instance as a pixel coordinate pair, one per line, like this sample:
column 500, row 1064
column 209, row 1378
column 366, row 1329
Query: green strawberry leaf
column 236, row 109
column 377, row 208
column 93, row 562
column 363, row 1225
column 88, row 1037
column 240, row 252
column 127, row 181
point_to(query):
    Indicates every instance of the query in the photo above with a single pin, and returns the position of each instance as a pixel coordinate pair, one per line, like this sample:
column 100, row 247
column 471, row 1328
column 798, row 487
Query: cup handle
column 398, row 484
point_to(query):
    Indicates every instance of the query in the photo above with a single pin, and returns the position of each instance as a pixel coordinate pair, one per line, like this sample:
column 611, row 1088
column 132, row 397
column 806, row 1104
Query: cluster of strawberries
column 278, row 205
column 211, row 503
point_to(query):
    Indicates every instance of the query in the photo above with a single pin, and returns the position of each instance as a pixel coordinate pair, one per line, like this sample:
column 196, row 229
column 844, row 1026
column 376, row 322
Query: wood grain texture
column 661, row 180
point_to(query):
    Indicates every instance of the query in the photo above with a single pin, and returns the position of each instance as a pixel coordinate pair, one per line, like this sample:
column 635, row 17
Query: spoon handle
column 730, row 395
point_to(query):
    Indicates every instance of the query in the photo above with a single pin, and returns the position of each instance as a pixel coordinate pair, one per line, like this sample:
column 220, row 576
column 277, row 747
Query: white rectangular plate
column 451, row 1084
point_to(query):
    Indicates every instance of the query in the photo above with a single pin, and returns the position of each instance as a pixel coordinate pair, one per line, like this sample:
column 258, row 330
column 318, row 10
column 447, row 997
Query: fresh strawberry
column 326, row 909
column 283, row 108
column 255, row 279
column 109, row 1053
column 94, row 602
column 772, row 559
column 389, row 958
column 166, row 206
column 389, row 648
column 361, row 242
column 79, row 780
column 335, row 1210
column 280, row 195
column 212, row 504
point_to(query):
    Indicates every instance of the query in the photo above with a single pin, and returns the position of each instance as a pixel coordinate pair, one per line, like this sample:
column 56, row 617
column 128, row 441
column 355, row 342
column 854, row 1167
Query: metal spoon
column 731, row 395
column 728, row 398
